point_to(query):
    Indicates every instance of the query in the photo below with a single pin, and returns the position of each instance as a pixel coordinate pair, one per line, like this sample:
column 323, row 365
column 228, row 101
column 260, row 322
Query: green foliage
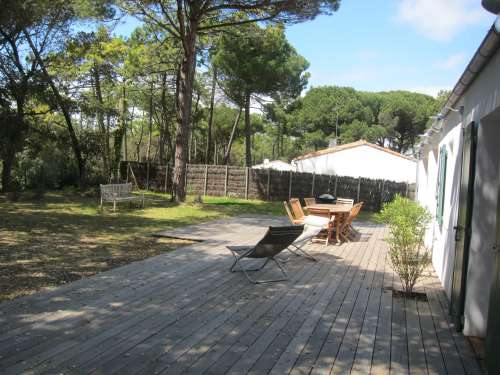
column 407, row 221
column 392, row 119
column 260, row 61
column 121, row 92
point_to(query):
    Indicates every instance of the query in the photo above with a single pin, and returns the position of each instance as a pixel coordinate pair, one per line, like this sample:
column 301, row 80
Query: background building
column 359, row 159
column 277, row 165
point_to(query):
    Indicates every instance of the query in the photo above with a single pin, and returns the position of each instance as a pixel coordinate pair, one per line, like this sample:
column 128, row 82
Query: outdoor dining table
column 330, row 210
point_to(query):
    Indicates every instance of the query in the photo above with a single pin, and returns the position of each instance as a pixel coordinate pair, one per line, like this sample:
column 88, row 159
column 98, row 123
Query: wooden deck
column 184, row 313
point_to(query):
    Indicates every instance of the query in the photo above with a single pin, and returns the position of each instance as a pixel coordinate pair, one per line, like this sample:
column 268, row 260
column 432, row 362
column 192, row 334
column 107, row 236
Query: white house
column 359, row 159
column 459, row 182
column 277, row 165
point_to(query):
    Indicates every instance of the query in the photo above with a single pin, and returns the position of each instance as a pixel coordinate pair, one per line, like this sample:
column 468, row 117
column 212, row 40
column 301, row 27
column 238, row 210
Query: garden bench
column 119, row 193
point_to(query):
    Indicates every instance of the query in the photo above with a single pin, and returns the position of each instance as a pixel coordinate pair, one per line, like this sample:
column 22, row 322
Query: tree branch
column 236, row 23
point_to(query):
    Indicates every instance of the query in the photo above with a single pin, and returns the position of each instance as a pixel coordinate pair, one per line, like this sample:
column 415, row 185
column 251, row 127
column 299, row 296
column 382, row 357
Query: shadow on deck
column 183, row 312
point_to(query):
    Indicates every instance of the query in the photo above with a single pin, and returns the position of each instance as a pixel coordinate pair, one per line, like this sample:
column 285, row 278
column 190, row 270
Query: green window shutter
column 443, row 157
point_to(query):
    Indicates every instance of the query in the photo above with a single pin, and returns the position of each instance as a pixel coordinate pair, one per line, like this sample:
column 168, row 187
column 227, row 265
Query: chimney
column 332, row 142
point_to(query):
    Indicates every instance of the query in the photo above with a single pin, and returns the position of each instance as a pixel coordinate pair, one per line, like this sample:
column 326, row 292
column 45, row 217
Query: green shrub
column 407, row 221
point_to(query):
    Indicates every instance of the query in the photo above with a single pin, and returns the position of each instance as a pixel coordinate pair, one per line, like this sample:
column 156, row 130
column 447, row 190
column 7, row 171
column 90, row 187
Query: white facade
column 481, row 104
column 360, row 159
column 277, row 165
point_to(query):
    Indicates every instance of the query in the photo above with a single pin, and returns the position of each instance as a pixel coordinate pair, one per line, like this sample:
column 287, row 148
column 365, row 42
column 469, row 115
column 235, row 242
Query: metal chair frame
column 273, row 243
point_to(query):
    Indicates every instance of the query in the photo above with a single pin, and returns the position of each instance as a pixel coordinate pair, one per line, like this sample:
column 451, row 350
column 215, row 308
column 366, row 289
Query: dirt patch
column 47, row 262
column 417, row 296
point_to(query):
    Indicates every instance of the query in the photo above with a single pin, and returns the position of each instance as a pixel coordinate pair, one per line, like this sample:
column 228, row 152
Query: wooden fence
column 264, row 184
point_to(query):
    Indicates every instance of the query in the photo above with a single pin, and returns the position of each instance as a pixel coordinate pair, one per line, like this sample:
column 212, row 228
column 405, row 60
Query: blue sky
column 376, row 45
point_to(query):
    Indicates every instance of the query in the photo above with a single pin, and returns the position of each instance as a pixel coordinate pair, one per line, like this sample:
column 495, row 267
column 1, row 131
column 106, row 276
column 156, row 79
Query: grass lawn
column 64, row 237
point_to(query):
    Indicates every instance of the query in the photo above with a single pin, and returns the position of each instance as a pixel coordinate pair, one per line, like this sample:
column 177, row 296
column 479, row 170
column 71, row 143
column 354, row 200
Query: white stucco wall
column 481, row 104
column 440, row 238
column 361, row 161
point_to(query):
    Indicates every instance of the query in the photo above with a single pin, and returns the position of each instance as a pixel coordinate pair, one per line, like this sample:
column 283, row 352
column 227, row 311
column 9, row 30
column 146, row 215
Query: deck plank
column 366, row 342
column 332, row 343
column 381, row 360
column 416, row 354
column 208, row 351
column 347, row 350
column 433, row 353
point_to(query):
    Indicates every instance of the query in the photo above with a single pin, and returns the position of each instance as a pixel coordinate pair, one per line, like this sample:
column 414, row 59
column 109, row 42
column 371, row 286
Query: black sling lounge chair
column 274, row 242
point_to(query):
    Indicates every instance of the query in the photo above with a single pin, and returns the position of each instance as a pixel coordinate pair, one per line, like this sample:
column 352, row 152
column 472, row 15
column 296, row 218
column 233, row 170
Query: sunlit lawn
column 64, row 237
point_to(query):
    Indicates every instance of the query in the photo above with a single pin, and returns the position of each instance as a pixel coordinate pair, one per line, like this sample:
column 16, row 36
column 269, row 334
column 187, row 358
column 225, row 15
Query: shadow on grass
column 62, row 237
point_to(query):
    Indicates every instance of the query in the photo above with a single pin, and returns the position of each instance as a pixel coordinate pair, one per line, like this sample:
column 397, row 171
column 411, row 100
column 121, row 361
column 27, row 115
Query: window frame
column 441, row 187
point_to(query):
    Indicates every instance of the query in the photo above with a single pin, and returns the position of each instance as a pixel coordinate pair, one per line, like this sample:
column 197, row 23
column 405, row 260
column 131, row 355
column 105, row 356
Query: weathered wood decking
column 183, row 312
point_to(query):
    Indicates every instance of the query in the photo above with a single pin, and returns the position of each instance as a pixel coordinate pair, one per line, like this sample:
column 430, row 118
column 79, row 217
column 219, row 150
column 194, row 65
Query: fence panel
column 280, row 183
column 346, row 187
column 236, row 182
column 239, row 182
column 216, row 175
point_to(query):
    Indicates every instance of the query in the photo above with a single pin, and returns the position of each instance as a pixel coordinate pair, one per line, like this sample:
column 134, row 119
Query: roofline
column 349, row 146
column 481, row 58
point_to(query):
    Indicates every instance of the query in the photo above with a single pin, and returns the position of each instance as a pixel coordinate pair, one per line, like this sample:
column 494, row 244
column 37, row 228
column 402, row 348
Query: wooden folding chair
column 290, row 215
column 309, row 201
column 345, row 201
column 346, row 227
column 297, row 210
column 299, row 216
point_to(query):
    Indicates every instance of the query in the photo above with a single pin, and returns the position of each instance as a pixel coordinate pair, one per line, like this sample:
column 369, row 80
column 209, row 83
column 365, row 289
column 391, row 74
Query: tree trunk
column 120, row 133
column 8, row 161
column 139, row 143
column 125, row 148
column 162, row 122
column 150, row 123
column 248, row 132
column 184, row 98
column 100, row 122
column 64, row 109
column 208, row 155
column 227, row 155
column 192, row 145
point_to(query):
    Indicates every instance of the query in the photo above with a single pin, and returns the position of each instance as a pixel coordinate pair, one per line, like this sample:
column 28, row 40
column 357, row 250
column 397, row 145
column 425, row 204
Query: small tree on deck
column 407, row 221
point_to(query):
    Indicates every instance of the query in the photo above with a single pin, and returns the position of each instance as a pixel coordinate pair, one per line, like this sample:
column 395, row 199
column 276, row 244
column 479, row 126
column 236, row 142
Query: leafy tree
column 95, row 60
column 392, row 119
column 441, row 99
column 44, row 28
column 255, row 61
column 405, row 115
column 316, row 117
column 354, row 131
column 187, row 20
column 17, row 77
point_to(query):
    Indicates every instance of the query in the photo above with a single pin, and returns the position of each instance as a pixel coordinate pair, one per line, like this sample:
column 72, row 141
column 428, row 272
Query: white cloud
column 451, row 61
column 440, row 20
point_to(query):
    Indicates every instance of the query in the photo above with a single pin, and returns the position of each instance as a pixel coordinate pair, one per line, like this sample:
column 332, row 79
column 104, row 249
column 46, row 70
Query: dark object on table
column 326, row 198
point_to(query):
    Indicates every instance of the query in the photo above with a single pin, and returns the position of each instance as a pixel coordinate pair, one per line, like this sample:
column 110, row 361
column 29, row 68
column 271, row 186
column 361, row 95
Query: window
column 443, row 156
